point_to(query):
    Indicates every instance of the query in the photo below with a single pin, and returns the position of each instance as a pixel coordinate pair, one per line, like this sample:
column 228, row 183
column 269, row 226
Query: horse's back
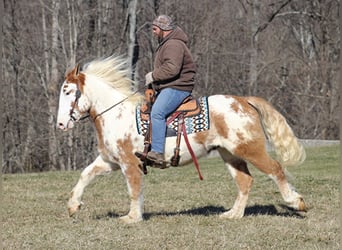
column 234, row 112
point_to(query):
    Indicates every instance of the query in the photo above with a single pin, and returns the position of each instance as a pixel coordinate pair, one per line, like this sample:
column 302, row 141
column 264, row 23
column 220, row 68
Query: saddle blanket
column 193, row 124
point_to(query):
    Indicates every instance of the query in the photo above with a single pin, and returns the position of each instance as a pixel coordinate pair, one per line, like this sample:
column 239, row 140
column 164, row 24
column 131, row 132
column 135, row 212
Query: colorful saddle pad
column 193, row 124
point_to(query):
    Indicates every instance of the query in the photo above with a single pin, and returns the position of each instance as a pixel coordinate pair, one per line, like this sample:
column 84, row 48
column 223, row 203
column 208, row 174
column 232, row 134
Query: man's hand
column 148, row 78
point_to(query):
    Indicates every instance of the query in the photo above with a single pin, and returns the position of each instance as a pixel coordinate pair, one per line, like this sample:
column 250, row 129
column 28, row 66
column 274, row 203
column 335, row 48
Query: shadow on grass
column 255, row 210
column 273, row 211
column 108, row 215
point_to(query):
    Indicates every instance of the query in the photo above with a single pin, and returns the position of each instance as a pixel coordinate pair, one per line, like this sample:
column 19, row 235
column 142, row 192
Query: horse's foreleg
column 239, row 171
column 97, row 167
column 134, row 178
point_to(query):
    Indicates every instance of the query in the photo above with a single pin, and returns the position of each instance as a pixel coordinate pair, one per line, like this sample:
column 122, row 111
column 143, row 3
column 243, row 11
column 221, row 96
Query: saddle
column 188, row 108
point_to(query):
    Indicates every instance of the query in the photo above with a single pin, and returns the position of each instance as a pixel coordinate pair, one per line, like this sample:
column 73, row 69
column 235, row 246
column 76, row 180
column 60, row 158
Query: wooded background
column 286, row 51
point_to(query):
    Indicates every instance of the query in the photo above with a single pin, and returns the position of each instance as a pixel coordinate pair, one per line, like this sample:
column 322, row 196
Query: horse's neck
column 111, row 107
column 104, row 96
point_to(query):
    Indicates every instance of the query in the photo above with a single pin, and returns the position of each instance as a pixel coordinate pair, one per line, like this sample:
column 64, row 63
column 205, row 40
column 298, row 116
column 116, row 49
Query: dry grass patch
column 181, row 212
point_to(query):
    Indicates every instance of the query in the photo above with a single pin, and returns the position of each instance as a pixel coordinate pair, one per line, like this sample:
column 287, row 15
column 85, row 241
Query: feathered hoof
column 129, row 220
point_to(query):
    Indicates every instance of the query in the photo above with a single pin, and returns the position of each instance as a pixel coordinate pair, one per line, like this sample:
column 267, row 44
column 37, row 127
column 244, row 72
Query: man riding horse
column 172, row 78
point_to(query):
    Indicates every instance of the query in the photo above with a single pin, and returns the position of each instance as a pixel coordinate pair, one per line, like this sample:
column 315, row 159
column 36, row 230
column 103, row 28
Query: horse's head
column 72, row 103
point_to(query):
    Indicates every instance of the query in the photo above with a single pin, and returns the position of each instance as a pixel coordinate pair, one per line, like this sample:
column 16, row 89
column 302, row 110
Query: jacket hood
column 177, row 34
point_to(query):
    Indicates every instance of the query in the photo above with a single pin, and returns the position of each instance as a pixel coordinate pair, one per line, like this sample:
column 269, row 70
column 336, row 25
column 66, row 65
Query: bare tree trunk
column 73, row 32
column 51, row 79
column 27, row 147
column 207, row 56
column 103, row 28
column 45, row 44
column 254, row 24
column 133, row 47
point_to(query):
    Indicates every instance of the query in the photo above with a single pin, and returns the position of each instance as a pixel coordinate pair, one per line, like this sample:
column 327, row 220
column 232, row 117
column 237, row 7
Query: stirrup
column 149, row 162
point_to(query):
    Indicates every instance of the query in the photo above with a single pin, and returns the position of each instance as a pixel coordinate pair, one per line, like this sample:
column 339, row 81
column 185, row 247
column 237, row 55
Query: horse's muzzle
column 69, row 125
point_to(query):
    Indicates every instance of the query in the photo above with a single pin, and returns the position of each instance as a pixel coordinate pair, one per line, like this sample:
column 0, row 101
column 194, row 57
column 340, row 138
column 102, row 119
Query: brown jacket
column 173, row 63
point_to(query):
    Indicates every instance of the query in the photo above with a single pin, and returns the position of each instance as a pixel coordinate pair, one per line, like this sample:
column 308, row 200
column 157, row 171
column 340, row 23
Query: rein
column 116, row 104
column 101, row 113
column 185, row 135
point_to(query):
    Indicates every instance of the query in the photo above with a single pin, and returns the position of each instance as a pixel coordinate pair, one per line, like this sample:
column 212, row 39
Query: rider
column 172, row 78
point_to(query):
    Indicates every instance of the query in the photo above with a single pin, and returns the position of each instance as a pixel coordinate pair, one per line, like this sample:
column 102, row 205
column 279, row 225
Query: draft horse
column 239, row 130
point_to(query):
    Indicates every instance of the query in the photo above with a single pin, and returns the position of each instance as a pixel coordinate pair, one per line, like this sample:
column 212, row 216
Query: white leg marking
column 238, row 209
column 97, row 167
column 289, row 194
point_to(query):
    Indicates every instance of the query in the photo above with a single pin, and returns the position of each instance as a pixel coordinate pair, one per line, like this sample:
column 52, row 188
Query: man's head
column 162, row 26
column 164, row 22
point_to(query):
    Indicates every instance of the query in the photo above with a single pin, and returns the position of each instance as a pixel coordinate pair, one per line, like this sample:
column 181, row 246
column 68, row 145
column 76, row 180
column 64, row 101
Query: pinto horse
column 239, row 129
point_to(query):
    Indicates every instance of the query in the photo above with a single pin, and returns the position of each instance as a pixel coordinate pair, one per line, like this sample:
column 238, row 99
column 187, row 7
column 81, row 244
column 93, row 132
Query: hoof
column 73, row 210
column 298, row 204
column 232, row 215
column 129, row 220
column 302, row 206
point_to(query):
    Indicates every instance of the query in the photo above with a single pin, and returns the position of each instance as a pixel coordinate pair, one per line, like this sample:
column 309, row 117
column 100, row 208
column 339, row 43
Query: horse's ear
column 77, row 69
column 73, row 72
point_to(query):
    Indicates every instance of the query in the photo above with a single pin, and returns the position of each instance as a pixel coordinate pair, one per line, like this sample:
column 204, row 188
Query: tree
column 285, row 51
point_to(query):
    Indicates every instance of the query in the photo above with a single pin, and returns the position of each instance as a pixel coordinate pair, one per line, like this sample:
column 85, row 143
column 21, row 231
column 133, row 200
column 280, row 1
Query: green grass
column 181, row 211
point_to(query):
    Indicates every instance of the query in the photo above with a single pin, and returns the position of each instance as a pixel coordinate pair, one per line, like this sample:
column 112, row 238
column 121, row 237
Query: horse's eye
column 67, row 93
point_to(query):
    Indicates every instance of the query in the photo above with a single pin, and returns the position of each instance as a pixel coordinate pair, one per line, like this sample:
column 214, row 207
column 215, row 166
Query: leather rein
column 77, row 97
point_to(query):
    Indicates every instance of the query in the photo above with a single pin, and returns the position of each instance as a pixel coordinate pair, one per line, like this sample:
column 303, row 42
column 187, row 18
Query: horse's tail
column 286, row 145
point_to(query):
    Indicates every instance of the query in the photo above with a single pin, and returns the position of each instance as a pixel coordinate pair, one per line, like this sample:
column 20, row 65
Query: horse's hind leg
column 261, row 160
column 97, row 167
column 239, row 171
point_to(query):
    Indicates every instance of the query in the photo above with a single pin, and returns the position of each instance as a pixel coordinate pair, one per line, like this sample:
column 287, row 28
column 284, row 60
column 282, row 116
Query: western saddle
column 189, row 107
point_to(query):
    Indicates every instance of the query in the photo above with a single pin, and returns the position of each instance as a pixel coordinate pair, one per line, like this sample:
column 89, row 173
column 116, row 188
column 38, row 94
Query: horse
column 239, row 130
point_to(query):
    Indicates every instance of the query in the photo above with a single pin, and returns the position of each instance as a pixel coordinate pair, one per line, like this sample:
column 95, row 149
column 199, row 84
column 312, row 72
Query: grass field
column 181, row 212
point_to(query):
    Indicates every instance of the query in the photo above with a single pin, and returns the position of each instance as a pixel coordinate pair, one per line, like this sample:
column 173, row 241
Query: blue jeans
column 167, row 101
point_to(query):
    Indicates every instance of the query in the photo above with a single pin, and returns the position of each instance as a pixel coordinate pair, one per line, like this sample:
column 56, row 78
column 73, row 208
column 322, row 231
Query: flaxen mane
column 113, row 70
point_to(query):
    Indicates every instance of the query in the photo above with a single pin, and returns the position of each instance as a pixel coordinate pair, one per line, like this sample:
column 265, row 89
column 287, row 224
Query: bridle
column 72, row 110
column 77, row 97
